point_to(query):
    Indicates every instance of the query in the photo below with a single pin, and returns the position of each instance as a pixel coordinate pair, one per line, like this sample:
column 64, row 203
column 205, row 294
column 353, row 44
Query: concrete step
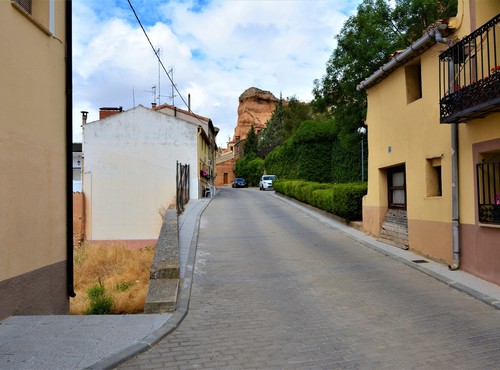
column 162, row 296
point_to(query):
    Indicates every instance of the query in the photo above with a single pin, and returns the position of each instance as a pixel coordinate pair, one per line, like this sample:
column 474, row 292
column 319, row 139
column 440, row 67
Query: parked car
column 266, row 182
column 239, row 182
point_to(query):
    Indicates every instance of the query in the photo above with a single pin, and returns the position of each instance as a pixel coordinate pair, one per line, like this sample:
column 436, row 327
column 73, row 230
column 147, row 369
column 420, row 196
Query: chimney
column 189, row 103
column 109, row 111
column 153, row 106
column 84, row 117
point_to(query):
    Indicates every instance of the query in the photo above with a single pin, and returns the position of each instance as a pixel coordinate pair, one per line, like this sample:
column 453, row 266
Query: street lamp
column 362, row 132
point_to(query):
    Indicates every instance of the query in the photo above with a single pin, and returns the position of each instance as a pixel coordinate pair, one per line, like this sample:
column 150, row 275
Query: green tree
column 272, row 135
column 364, row 44
column 295, row 112
column 412, row 17
column 250, row 167
column 251, row 142
column 306, row 154
column 284, row 122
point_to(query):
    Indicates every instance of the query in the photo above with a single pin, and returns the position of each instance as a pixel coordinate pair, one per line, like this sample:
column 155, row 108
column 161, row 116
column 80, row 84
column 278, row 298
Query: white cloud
column 216, row 52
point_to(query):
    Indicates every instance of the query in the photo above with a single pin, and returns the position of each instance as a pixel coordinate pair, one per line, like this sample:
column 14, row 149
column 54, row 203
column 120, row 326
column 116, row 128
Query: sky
column 213, row 49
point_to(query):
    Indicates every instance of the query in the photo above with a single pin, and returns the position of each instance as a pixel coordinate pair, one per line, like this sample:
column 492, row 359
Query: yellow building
column 434, row 143
column 35, row 157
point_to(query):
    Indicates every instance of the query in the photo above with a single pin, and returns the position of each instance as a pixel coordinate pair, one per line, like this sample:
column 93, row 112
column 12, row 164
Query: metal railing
column 488, row 191
column 182, row 186
column 469, row 75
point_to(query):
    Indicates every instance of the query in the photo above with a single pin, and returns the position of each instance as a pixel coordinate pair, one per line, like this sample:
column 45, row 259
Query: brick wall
column 78, row 218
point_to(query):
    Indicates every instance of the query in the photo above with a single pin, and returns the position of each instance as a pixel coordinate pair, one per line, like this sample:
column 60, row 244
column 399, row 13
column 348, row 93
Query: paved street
column 275, row 288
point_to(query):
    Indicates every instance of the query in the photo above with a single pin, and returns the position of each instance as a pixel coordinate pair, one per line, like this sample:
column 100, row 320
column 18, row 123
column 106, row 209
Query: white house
column 77, row 166
column 129, row 174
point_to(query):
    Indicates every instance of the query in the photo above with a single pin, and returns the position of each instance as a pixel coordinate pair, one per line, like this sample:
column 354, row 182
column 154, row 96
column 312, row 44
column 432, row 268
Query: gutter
column 69, row 148
column 415, row 49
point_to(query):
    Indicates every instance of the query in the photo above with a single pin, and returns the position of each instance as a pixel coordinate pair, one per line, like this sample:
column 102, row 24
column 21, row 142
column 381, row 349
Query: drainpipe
column 454, row 198
column 455, row 223
column 69, row 150
column 455, row 211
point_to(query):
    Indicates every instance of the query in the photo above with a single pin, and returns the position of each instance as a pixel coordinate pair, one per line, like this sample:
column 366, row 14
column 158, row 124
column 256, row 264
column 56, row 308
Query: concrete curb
column 149, row 341
column 316, row 214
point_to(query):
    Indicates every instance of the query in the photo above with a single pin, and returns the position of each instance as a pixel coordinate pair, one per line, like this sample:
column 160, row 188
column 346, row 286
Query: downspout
column 455, row 201
column 69, row 150
column 455, row 214
column 455, row 223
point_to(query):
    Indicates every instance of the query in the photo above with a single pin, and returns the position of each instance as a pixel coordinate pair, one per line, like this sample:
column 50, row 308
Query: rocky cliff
column 255, row 108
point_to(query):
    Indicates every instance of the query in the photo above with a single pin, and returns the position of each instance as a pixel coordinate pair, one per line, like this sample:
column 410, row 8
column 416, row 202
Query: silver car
column 266, row 182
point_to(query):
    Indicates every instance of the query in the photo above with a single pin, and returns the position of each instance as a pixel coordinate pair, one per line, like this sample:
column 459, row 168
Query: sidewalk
column 98, row 342
column 103, row 342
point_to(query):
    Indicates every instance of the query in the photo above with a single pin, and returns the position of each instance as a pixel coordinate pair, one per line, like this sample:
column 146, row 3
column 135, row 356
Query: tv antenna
column 159, row 96
column 152, row 91
column 171, row 72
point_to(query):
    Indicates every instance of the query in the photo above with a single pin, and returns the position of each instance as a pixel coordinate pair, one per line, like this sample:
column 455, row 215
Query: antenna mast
column 171, row 72
column 159, row 91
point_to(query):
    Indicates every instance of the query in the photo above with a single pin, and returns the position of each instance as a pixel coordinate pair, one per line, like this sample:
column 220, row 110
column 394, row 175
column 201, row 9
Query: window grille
column 25, row 4
column 488, row 190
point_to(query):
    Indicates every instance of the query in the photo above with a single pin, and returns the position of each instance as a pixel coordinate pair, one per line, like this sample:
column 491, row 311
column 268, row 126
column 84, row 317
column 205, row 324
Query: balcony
column 469, row 76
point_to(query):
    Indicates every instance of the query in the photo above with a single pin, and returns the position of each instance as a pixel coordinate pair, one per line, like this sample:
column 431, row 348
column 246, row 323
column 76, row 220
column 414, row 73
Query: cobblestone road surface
column 274, row 288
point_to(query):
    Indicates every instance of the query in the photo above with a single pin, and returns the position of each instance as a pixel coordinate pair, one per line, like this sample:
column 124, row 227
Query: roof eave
column 414, row 50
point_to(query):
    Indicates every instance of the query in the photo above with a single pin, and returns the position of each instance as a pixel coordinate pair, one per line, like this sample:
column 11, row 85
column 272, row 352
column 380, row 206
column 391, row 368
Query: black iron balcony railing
column 488, row 191
column 469, row 75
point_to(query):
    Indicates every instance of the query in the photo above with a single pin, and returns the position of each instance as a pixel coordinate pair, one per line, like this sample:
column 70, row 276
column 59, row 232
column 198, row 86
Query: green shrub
column 100, row 303
column 343, row 200
column 347, row 200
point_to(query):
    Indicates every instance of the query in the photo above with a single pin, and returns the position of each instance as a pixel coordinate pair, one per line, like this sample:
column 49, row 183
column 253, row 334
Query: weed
column 124, row 285
column 124, row 274
column 100, row 303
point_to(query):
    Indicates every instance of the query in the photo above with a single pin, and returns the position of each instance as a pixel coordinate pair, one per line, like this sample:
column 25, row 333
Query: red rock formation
column 255, row 108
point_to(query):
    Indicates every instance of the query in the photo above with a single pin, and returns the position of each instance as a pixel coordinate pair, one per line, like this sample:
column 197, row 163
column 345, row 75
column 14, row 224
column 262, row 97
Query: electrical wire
column 159, row 60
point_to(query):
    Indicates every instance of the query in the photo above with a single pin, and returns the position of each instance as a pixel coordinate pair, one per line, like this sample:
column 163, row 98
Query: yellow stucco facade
column 404, row 132
column 408, row 133
column 33, row 202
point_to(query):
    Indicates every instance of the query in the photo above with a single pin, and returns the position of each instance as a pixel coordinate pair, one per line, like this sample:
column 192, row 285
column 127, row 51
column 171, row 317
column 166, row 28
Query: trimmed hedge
column 343, row 200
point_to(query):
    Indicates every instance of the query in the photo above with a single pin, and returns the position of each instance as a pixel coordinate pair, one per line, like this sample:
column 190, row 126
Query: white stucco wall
column 130, row 172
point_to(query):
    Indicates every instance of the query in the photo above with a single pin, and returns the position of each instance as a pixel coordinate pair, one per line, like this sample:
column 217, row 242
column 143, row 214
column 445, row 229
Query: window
column 41, row 13
column 77, row 174
column 433, row 177
column 25, row 4
column 413, row 76
column 397, row 187
column 488, row 188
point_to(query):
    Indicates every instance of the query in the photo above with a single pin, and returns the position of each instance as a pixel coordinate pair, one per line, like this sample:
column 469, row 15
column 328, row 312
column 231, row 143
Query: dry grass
column 124, row 273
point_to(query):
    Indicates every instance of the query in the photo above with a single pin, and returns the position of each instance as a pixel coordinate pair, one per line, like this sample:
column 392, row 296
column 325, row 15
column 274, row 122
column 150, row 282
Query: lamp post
column 362, row 132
